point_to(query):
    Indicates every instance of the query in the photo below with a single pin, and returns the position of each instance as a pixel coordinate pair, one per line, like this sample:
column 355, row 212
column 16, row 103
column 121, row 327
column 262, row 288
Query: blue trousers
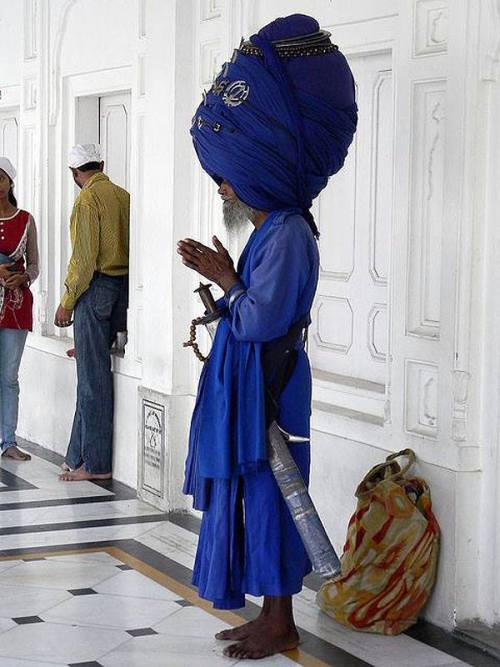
column 99, row 313
column 11, row 350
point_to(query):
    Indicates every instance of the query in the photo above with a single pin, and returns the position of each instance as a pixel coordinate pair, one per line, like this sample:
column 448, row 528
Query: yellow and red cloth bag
column 390, row 556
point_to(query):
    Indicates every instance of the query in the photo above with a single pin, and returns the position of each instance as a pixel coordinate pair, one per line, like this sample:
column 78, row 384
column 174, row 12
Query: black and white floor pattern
column 90, row 576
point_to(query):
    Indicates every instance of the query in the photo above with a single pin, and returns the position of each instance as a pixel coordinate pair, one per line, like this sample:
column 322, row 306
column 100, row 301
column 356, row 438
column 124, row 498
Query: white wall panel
column 114, row 136
column 426, row 208
column 12, row 28
column 30, row 93
column 30, row 29
column 354, row 213
column 29, row 168
column 337, row 222
column 211, row 9
column 381, row 179
column 9, row 135
column 334, row 324
column 430, row 27
column 211, row 59
column 421, row 398
column 378, row 330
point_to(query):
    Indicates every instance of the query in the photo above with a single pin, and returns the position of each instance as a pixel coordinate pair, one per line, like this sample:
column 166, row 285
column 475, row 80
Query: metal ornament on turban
column 279, row 118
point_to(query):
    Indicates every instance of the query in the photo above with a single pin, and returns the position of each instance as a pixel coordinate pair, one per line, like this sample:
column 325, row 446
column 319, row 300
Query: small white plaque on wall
column 430, row 27
column 153, row 455
column 421, row 398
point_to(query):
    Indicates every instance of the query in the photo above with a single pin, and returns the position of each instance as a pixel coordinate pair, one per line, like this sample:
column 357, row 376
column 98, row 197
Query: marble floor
column 90, row 576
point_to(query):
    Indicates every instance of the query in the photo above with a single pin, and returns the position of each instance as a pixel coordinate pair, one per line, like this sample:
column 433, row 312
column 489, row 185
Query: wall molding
column 54, row 61
column 490, row 38
column 321, row 340
column 377, row 310
column 426, row 208
column 347, row 177
column 211, row 60
column 421, row 398
column 141, row 19
column 30, row 94
column 377, row 277
column 211, row 9
column 31, row 10
column 461, row 384
column 430, row 28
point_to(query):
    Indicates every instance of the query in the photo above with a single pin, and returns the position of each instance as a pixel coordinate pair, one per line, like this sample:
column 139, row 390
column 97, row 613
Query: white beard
column 236, row 215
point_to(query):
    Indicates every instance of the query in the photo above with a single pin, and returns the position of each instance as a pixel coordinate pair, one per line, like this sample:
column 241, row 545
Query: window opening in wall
column 105, row 119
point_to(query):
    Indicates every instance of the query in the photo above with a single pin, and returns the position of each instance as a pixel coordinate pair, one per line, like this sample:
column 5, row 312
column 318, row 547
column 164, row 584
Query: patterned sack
column 390, row 556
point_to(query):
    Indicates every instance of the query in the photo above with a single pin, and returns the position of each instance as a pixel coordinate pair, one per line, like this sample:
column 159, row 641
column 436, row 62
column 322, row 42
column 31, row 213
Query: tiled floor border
column 423, row 631
column 13, row 482
column 84, row 523
column 176, row 578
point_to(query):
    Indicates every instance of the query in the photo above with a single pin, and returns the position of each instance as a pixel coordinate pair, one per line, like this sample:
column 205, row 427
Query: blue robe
column 248, row 542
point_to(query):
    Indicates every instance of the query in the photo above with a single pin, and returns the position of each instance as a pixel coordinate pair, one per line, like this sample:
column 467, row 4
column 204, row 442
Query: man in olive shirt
column 95, row 299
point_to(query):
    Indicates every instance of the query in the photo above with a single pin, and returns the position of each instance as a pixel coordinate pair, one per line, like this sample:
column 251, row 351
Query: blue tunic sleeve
column 269, row 304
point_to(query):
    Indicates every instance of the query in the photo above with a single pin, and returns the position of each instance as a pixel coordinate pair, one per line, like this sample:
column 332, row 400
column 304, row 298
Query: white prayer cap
column 7, row 166
column 83, row 153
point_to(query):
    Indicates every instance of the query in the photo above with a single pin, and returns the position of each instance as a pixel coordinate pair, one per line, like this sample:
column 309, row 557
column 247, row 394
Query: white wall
column 11, row 27
column 11, row 24
column 433, row 385
column 87, row 45
column 72, row 52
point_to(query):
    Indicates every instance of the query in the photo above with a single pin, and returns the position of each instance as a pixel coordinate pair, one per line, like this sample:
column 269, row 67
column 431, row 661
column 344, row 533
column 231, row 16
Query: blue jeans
column 11, row 350
column 99, row 313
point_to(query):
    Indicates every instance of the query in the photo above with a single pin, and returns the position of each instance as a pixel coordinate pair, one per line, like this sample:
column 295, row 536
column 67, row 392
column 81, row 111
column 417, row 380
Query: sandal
column 16, row 455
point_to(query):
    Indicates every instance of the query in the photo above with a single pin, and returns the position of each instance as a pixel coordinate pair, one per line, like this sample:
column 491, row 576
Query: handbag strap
column 390, row 470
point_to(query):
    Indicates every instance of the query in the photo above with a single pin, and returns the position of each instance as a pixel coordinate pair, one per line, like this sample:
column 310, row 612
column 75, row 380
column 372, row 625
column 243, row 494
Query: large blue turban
column 279, row 118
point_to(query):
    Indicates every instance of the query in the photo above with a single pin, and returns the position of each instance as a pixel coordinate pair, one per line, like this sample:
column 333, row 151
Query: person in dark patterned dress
column 18, row 269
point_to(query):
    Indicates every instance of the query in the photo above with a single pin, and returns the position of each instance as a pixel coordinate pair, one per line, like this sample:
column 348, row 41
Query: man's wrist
column 228, row 281
column 67, row 303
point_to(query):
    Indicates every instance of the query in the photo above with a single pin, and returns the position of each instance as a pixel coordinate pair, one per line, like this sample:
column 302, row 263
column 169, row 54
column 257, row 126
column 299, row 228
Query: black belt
column 98, row 275
column 278, row 359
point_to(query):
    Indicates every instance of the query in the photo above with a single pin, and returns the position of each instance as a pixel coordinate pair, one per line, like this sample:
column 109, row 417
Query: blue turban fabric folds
column 276, row 129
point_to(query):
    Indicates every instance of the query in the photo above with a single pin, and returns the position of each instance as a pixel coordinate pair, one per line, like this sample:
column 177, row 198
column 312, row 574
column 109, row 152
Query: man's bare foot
column 242, row 631
column 268, row 641
column 248, row 629
column 81, row 475
column 15, row 453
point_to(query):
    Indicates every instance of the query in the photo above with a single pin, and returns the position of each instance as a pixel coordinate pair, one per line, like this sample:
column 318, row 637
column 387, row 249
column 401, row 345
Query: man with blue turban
column 274, row 127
